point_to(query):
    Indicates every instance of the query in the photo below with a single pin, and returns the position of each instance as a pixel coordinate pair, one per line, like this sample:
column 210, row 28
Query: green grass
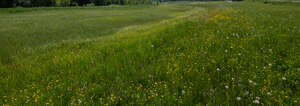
column 217, row 53
column 29, row 28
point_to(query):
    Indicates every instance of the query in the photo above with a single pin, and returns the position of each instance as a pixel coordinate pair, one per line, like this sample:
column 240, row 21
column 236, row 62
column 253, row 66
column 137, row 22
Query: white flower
column 250, row 81
column 239, row 54
column 247, row 92
column 183, row 92
column 257, row 98
column 226, row 51
column 231, row 47
column 226, row 87
column 270, row 50
column 238, row 98
column 269, row 93
column 256, row 101
column 152, row 46
column 270, row 64
column 79, row 101
column 283, row 78
column 218, row 69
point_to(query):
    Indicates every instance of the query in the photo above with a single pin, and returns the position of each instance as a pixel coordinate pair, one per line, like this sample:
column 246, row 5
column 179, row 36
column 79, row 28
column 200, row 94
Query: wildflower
column 231, row 47
column 257, row 98
column 238, row 98
column 254, row 83
column 226, row 51
column 183, row 92
column 283, row 78
column 247, row 92
column 210, row 92
column 152, row 46
column 270, row 50
column 79, row 101
column 270, row 64
column 250, row 81
column 226, row 87
column 256, row 101
column 269, row 93
column 239, row 54
column 35, row 100
column 218, row 69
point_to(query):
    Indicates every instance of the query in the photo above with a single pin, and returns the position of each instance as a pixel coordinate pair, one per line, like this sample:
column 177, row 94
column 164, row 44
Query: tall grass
column 220, row 54
column 30, row 28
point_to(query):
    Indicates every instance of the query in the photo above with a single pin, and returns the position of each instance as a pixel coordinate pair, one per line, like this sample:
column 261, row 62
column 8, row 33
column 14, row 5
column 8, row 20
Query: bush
column 102, row 2
column 82, row 2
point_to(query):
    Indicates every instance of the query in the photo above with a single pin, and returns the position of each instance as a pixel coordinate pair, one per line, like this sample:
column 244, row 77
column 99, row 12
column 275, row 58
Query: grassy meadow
column 27, row 28
column 182, row 53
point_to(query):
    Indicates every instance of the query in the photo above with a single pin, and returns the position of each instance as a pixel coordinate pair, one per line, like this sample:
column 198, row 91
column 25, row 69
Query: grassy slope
column 247, row 48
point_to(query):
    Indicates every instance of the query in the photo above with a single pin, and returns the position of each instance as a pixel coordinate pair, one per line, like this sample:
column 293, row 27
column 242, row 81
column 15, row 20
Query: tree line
column 62, row 3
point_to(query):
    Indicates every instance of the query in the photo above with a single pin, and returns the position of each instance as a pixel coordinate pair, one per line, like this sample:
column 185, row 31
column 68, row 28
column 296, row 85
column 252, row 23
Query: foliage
column 102, row 2
column 82, row 2
column 6, row 3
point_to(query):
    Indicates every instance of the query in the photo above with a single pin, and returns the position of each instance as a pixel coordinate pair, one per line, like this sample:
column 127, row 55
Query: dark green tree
column 82, row 2
column 6, row 3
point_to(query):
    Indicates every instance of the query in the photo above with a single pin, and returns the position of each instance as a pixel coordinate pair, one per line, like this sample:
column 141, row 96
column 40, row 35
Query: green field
column 39, row 27
column 177, row 53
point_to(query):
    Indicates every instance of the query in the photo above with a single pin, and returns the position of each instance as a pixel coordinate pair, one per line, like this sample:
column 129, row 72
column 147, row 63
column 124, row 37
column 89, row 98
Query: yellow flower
column 35, row 100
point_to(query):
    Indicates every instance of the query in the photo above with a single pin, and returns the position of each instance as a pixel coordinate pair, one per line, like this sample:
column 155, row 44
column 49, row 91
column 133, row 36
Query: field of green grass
column 184, row 53
column 27, row 28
